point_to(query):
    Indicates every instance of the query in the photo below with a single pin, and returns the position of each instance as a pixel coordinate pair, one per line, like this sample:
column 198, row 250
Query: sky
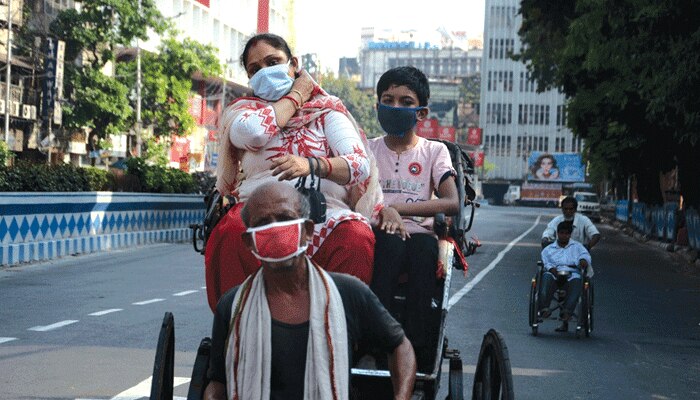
column 332, row 30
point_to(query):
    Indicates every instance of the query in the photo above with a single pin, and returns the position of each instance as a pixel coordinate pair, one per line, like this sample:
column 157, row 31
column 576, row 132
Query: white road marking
column 143, row 389
column 7, row 339
column 471, row 369
column 185, row 293
column 53, row 326
column 141, row 303
column 105, row 312
column 470, row 285
column 203, row 288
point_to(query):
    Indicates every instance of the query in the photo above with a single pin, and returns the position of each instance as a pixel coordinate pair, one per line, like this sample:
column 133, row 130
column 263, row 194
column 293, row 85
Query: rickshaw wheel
column 493, row 378
column 456, row 388
column 164, row 365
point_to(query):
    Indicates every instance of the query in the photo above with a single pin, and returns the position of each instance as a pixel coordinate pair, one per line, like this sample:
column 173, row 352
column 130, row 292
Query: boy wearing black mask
column 411, row 171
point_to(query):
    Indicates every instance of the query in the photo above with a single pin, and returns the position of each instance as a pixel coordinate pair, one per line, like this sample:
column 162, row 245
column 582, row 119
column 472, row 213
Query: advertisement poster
column 474, row 136
column 555, row 167
column 478, row 157
column 427, row 128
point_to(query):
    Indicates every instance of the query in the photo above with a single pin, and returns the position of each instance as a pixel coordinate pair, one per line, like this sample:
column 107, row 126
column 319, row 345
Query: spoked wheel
column 493, row 378
column 533, row 307
column 164, row 366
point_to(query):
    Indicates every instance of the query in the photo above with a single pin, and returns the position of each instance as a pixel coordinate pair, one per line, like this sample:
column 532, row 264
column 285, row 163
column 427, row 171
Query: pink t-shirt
column 414, row 175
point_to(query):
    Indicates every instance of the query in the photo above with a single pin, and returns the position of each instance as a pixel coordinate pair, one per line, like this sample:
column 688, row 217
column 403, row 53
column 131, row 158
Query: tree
column 167, row 83
column 625, row 67
column 93, row 99
column 360, row 104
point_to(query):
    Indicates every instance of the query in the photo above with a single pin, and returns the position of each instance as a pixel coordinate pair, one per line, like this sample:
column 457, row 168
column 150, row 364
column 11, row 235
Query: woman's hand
column 303, row 86
column 289, row 167
column 392, row 223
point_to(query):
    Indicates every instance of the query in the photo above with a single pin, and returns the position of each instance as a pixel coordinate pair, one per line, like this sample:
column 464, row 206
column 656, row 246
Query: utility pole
column 8, row 70
column 138, row 91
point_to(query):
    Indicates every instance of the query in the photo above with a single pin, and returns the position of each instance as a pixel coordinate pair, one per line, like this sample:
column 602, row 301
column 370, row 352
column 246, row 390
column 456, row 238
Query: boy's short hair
column 408, row 76
column 565, row 226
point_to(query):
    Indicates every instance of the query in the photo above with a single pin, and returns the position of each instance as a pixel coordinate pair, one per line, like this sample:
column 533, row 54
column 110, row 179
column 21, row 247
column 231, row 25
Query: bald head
column 274, row 200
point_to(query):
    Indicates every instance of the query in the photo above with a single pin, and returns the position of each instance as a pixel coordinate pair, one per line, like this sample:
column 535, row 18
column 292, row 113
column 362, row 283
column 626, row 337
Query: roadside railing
column 44, row 226
column 663, row 223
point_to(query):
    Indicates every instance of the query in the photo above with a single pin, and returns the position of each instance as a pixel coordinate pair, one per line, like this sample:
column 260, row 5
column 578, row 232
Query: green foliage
column 167, row 83
column 360, row 104
column 626, row 68
column 470, row 89
column 159, row 179
column 156, row 152
column 100, row 102
column 5, row 153
column 97, row 179
column 30, row 177
column 102, row 25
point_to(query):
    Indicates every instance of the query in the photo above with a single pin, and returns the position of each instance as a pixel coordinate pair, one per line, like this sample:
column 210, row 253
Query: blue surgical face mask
column 397, row 121
column 273, row 82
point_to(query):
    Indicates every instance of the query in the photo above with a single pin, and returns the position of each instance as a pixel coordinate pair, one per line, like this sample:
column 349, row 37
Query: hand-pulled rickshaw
column 492, row 379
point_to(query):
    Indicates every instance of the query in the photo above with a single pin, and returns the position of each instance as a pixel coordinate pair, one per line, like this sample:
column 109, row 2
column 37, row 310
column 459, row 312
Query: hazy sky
column 332, row 29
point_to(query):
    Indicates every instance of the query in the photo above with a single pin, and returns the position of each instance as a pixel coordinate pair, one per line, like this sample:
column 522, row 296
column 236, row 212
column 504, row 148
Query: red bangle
column 293, row 100
column 330, row 166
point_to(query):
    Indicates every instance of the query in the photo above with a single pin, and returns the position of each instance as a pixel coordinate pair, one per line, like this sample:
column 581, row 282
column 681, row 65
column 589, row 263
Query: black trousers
column 417, row 256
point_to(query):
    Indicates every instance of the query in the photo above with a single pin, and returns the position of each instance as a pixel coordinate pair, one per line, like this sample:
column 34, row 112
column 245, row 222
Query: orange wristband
column 330, row 166
column 293, row 100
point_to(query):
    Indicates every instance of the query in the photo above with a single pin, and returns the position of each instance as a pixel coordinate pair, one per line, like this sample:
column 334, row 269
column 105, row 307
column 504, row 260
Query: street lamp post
column 138, row 92
column 8, row 70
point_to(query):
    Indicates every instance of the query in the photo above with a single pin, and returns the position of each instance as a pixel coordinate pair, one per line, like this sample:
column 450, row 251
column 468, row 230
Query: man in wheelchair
column 565, row 261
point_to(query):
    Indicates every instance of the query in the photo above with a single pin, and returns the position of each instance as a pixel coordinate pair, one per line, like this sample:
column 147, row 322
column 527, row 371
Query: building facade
column 516, row 120
column 445, row 65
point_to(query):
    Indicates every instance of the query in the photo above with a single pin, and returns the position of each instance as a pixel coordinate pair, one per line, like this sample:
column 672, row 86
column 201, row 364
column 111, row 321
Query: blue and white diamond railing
column 44, row 226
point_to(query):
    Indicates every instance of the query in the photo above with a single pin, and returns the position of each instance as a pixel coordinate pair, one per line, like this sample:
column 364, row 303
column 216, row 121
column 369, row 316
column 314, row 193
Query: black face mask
column 397, row 121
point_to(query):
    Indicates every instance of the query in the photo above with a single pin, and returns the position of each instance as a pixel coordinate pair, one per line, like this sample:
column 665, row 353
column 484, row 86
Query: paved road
column 86, row 327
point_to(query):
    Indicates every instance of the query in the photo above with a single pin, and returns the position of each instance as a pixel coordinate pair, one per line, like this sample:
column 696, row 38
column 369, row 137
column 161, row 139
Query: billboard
column 555, row 167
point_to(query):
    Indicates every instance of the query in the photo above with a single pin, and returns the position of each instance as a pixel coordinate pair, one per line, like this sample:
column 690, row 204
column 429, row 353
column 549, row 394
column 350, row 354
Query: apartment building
column 517, row 122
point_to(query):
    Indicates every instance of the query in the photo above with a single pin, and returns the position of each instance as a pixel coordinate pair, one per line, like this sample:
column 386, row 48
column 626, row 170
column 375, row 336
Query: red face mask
column 277, row 241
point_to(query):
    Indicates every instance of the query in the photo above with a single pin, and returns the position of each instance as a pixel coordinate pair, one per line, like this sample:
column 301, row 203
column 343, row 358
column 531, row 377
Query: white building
column 226, row 25
column 516, row 120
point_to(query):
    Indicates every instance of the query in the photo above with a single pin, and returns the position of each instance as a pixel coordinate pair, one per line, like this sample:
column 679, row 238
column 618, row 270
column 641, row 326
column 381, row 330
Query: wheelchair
column 493, row 378
column 583, row 312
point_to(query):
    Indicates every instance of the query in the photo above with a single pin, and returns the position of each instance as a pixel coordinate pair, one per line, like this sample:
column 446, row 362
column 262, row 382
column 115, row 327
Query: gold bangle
column 301, row 96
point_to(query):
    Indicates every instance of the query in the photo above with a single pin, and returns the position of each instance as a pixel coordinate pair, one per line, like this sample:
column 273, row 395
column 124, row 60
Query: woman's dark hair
column 537, row 163
column 269, row 38
column 408, row 76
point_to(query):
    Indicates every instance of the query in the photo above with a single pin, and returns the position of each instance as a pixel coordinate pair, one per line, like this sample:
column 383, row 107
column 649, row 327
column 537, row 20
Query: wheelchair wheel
column 588, row 295
column 533, row 306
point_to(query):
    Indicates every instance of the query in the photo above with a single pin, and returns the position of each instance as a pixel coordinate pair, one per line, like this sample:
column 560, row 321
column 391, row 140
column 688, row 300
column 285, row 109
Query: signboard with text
column 474, row 135
column 53, row 81
column 180, row 148
column 446, row 133
column 427, row 128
